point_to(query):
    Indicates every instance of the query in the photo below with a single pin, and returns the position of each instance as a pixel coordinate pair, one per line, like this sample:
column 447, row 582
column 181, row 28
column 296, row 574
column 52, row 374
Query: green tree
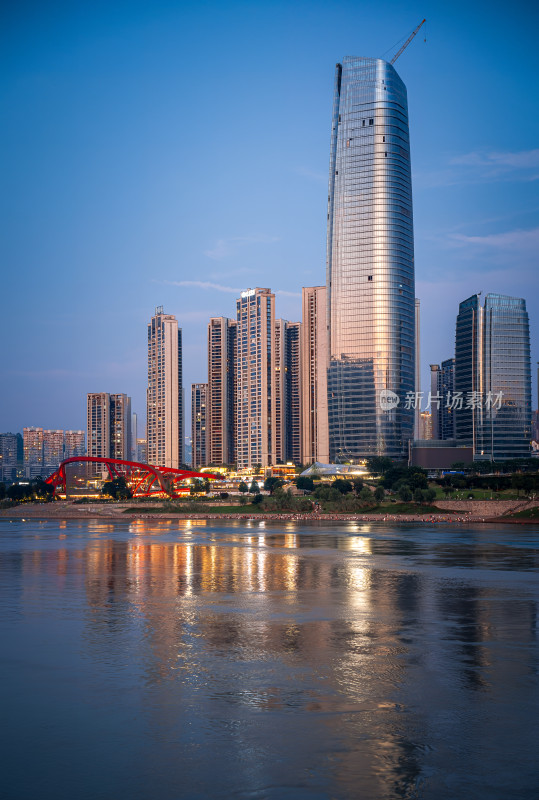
column 379, row 494
column 358, row 485
column 305, row 483
column 117, row 489
column 429, row 495
column 343, row 486
column 447, row 490
column 243, row 488
column 253, row 488
column 378, row 465
column 271, row 484
column 366, row 496
column 405, row 493
column 419, row 497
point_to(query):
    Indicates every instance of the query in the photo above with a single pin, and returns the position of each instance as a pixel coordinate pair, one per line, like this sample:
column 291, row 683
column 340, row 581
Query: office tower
column 417, row 389
column 221, row 393
column 53, row 450
column 33, row 452
column 493, row 375
column 74, row 444
column 370, row 264
column 134, row 436
column 164, row 426
column 142, row 451
column 8, row 457
column 281, row 391
column 120, row 427
column 199, row 425
column 446, row 417
column 436, row 400
column 255, row 369
column 425, row 425
column 293, row 400
column 314, row 396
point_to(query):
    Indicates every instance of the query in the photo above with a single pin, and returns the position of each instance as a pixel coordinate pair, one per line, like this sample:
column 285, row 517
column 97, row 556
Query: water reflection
column 296, row 663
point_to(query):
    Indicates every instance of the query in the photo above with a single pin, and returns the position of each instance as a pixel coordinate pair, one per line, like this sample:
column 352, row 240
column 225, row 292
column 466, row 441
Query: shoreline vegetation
column 454, row 512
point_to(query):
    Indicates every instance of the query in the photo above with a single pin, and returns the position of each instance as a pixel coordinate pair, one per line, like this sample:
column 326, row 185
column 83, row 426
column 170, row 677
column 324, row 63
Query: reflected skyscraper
column 370, row 264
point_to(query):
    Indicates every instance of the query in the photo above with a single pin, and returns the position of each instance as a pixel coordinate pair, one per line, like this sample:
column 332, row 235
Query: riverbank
column 452, row 513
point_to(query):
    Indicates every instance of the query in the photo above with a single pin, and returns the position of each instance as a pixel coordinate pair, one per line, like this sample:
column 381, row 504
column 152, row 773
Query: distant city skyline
column 113, row 207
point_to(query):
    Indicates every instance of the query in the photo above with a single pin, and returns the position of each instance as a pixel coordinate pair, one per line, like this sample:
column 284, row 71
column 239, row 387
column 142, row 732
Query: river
column 277, row 660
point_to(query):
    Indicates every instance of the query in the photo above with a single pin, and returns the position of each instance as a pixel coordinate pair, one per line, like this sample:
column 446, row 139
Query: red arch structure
column 144, row 480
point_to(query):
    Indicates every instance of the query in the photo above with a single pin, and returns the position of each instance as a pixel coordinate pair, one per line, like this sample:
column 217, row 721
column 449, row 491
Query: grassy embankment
column 330, row 508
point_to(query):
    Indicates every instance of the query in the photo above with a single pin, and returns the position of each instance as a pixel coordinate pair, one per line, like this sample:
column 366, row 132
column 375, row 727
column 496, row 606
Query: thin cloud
column 481, row 166
column 312, row 175
column 224, row 248
column 520, row 240
column 525, row 159
column 219, row 287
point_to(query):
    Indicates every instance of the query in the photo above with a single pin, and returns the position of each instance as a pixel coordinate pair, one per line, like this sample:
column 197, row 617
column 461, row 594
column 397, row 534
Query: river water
column 268, row 660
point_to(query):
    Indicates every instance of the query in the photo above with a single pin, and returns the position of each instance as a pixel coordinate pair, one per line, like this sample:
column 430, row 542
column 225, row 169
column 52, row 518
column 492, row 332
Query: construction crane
column 407, row 42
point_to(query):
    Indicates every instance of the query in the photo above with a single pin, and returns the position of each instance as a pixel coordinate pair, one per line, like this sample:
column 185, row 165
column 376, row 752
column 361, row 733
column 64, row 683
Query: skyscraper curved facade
column 370, row 264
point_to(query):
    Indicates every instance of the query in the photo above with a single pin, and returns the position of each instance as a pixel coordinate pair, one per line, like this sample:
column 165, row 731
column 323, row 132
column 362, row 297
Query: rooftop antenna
column 407, row 42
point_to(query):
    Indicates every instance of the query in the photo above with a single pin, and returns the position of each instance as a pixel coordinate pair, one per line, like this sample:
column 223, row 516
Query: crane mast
column 407, row 42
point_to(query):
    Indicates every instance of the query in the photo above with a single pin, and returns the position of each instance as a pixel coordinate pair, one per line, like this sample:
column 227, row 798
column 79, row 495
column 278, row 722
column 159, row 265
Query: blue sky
column 171, row 154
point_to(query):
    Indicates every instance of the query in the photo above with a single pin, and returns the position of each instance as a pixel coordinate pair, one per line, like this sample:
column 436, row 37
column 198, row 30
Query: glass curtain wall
column 370, row 264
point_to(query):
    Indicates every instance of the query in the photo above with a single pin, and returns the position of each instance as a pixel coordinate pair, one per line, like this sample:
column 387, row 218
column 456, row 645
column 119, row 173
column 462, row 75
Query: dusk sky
column 175, row 154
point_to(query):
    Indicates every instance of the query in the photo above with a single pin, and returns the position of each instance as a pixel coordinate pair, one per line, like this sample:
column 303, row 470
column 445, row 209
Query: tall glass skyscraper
column 493, row 377
column 370, row 264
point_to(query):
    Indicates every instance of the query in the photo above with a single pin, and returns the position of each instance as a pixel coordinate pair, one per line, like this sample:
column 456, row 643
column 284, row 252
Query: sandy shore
column 63, row 510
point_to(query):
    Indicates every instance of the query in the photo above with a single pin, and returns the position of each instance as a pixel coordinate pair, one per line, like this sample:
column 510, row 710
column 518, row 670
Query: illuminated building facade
column 98, row 424
column 33, row 452
column 255, row 369
column 120, row 426
column 370, row 265
column 165, row 418
column 199, row 424
column 221, row 392
column 313, row 365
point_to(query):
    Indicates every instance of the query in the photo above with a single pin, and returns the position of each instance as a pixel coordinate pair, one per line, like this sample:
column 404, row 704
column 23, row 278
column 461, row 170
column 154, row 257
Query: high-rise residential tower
column 74, row 444
column 120, row 426
column 199, row 424
column 255, row 368
column 8, row 457
column 53, row 450
column 221, row 396
column 370, row 264
column 98, row 425
column 493, row 377
column 33, row 452
column 293, row 400
column 314, row 397
column 164, row 415
column 281, row 388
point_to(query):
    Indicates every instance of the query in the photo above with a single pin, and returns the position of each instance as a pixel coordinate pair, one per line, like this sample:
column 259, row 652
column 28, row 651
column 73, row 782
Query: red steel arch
column 145, row 480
